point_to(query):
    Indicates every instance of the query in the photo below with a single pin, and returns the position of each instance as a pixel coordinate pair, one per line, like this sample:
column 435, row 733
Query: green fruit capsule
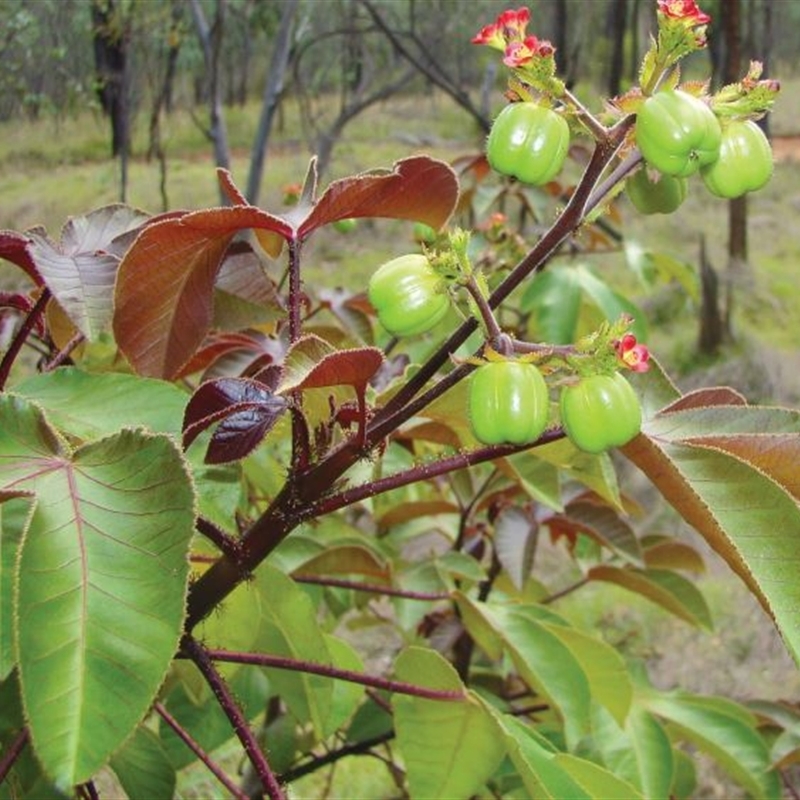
column 677, row 133
column 599, row 412
column 655, row 197
column 744, row 163
column 508, row 403
column 528, row 142
column 406, row 294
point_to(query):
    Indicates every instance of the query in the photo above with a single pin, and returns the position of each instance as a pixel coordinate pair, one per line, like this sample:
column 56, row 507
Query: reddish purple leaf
column 14, row 248
column 245, row 410
column 712, row 396
column 227, row 355
column 419, row 188
column 164, row 292
column 312, row 363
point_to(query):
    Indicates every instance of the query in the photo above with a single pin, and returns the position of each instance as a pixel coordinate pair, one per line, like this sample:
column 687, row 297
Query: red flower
column 634, row 356
column 520, row 53
column 684, row 10
column 509, row 27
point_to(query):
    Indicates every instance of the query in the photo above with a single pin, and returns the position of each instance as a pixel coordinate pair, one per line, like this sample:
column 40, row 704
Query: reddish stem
column 279, row 662
column 21, row 336
column 226, row 543
column 13, row 753
column 202, row 659
column 370, row 587
column 62, row 355
column 201, row 754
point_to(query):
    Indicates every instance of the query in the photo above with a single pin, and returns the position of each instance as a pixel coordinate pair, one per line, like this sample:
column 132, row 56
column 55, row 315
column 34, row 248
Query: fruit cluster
column 508, row 396
column 677, row 133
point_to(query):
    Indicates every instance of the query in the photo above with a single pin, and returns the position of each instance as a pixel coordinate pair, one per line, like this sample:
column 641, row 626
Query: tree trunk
column 272, row 95
column 737, row 208
column 211, row 44
column 110, row 40
column 711, row 327
column 617, row 20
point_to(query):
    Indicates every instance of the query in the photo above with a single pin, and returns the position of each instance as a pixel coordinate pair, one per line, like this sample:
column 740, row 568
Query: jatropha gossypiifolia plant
column 219, row 474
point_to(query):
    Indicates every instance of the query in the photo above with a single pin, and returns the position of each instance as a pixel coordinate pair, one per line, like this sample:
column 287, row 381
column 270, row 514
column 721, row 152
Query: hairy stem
column 226, row 543
column 64, row 353
column 21, row 336
column 358, row 586
column 296, row 665
column 203, row 660
column 201, row 754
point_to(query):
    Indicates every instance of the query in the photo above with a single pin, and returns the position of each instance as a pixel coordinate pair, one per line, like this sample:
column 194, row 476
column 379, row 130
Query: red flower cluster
column 508, row 33
column 636, row 357
column 684, row 10
column 508, row 27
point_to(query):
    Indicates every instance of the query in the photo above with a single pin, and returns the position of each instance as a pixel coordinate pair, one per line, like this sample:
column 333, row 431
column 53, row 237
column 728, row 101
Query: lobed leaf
column 103, row 557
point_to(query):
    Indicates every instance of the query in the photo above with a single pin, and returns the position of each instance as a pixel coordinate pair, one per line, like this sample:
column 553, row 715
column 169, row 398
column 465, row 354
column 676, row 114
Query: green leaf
column 540, row 656
column 654, row 388
column 538, row 477
column 291, row 629
column 551, row 775
column 553, row 298
column 650, row 266
column 450, row 747
column 14, row 514
column 609, row 681
column 594, row 779
column 668, row 589
column 595, row 472
column 640, row 753
column 207, row 722
column 142, row 766
column 611, row 303
column 724, row 730
column 110, row 533
column 346, row 695
column 533, row 757
column 743, row 513
column 72, row 399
